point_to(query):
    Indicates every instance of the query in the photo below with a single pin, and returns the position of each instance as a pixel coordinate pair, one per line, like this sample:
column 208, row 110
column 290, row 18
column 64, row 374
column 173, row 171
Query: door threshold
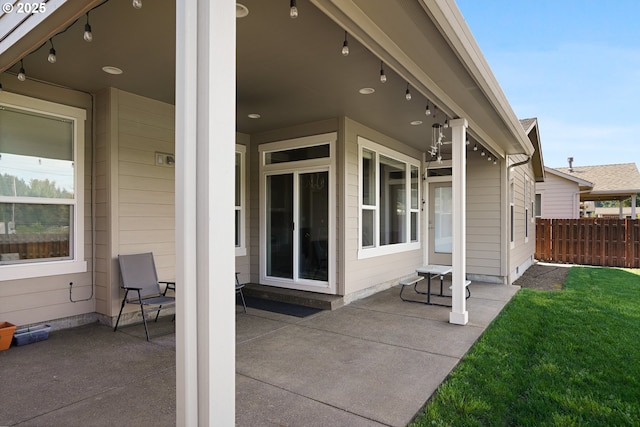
column 294, row 296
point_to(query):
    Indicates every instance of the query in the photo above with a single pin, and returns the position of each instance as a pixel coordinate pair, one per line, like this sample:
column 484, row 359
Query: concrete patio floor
column 373, row 362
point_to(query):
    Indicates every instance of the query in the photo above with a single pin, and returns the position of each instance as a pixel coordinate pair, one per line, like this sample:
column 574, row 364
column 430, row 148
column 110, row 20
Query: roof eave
column 455, row 29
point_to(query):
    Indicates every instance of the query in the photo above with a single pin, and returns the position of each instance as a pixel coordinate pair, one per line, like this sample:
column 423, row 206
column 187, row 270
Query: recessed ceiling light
column 111, row 70
column 254, row 116
column 241, row 10
column 367, row 90
column 416, row 123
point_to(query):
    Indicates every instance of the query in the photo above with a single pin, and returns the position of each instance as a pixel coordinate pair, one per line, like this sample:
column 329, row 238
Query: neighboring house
column 559, row 195
column 344, row 184
column 570, row 192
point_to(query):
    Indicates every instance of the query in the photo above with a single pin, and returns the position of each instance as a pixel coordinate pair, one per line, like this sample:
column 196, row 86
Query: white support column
column 633, row 206
column 459, row 314
column 205, row 145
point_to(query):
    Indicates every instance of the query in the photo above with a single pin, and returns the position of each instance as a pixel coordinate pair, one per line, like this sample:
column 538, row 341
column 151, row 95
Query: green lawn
column 564, row 358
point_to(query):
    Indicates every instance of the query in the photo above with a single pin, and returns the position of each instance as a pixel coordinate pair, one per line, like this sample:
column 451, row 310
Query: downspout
column 509, row 169
column 524, row 162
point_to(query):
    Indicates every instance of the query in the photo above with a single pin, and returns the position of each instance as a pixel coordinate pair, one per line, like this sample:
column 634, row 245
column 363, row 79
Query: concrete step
column 294, row 296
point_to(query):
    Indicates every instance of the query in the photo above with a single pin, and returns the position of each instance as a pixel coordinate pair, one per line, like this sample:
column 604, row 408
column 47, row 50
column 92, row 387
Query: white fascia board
column 454, row 28
column 581, row 182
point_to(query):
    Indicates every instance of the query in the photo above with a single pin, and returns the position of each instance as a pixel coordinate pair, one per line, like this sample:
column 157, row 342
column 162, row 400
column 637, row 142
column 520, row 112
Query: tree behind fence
column 589, row 241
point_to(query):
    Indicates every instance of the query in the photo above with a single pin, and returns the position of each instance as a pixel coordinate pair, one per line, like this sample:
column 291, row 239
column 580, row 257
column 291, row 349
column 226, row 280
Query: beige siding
column 522, row 250
column 46, row 299
column 559, row 197
column 143, row 192
column 378, row 272
column 484, row 218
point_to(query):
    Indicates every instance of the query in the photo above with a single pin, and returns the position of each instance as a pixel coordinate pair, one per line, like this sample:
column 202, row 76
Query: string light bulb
column 52, row 53
column 446, row 123
column 427, row 111
column 293, row 9
column 407, row 94
column 88, row 36
column 383, row 76
column 137, row 4
column 475, row 147
column 345, row 45
column 22, row 76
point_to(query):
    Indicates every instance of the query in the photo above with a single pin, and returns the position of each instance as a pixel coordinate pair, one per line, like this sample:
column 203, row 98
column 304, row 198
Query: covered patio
column 159, row 150
column 373, row 362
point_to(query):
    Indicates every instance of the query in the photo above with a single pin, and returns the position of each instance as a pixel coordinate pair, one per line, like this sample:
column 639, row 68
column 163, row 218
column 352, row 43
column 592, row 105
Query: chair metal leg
column 243, row 303
column 239, row 291
column 124, row 301
column 144, row 320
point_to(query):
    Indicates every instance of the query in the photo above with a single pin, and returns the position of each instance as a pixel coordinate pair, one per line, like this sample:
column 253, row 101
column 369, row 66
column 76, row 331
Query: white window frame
column 77, row 264
column 376, row 249
column 241, row 248
column 296, row 167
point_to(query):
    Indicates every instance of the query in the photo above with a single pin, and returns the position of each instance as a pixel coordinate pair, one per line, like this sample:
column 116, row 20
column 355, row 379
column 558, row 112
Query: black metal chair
column 239, row 291
column 141, row 285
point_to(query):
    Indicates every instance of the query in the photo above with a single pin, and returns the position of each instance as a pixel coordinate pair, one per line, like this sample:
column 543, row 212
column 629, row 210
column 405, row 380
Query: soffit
column 288, row 71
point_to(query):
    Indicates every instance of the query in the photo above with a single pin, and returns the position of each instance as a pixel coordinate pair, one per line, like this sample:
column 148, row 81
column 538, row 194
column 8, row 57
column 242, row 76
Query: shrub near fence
column 589, row 241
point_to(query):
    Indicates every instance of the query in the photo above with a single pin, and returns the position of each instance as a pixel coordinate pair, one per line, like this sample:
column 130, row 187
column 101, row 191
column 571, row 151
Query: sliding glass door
column 297, row 225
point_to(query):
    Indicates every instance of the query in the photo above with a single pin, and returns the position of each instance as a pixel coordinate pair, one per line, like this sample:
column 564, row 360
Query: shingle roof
column 526, row 123
column 609, row 180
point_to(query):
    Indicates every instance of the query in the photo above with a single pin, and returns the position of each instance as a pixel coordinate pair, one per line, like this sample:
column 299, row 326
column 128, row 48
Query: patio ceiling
column 289, row 71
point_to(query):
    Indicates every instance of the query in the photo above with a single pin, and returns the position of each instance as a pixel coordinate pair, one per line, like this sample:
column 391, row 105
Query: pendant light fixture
column 427, row 111
column 407, row 94
column 293, row 9
column 52, row 53
column 383, row 76
column 22, row 76
column 88, row 36
column 345, row 45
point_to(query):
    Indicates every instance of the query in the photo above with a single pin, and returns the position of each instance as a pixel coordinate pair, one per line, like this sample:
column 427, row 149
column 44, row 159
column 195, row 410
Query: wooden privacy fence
column 589, row 241
column 34, row 246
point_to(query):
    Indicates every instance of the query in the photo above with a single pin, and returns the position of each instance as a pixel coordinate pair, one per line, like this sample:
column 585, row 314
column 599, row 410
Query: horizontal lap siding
column 484, row 217
column 145, row 191
column 557, row 197
column 523, row 248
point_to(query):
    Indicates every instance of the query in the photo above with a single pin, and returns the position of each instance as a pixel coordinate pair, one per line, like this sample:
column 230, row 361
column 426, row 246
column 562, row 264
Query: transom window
column 41, row 188
column 389, row 200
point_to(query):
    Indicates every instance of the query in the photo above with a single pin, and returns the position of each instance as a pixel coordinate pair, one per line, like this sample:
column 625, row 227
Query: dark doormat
column 281, row 307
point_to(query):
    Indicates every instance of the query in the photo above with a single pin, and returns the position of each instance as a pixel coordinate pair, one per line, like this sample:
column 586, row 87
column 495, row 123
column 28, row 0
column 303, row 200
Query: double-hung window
column 41, row 188
column 389, row 200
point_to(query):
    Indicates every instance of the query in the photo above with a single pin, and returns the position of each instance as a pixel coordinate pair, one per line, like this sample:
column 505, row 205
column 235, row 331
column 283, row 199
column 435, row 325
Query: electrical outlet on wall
column 165, row 159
